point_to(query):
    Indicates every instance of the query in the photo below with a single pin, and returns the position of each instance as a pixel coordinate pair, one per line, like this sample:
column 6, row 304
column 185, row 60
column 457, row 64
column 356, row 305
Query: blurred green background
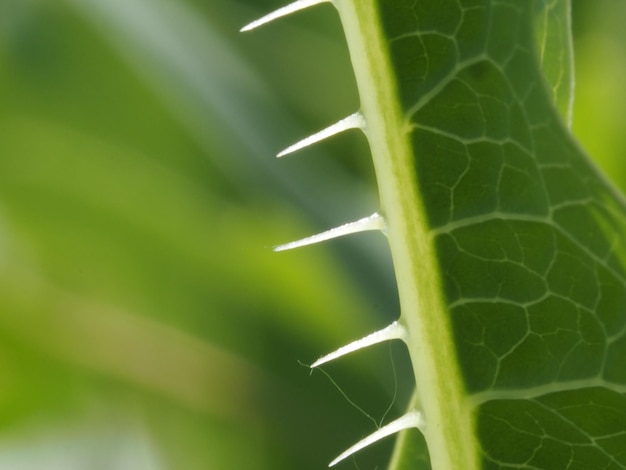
column 145, row 322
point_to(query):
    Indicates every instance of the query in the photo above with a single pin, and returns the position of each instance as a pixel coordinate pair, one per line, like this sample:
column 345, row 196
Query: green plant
column 508, row 243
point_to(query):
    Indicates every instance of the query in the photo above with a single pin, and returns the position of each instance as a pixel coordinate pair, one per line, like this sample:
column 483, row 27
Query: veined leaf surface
column 508, row 243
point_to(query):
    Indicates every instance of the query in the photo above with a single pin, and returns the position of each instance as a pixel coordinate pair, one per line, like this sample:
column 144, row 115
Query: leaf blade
column 528, row 234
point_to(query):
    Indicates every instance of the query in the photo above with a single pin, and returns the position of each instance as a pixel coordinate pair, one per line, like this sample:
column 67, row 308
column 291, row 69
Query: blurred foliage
column 144, row 321
column 600, row 92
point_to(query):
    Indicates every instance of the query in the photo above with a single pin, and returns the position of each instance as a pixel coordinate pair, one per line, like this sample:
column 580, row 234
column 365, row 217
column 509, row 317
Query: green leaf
column 554, row 38
column 508, row 244
column 581, row 428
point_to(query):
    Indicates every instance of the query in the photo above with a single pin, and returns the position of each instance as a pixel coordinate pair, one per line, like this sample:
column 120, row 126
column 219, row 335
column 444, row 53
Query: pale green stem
column 449, row 427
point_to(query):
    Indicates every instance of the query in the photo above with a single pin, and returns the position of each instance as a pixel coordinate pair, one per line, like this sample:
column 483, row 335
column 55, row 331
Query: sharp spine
column 284, row 11
column 391, row 332
column 372, row 222
column 412, row 419
column 354, row 121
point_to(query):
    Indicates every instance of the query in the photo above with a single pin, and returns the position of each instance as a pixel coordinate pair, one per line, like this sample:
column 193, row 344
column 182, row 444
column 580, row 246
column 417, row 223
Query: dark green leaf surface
column 554, row 38
column 578, row 429
column 530, row 238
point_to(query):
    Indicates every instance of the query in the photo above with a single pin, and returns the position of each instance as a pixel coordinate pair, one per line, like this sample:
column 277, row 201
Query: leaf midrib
column 449, row 424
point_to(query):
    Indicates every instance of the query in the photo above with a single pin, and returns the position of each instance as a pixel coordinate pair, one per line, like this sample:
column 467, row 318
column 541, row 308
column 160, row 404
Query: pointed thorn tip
column 412, row 419
column 354, row 121
column 391, row 332
column 372, row 222
column 284, row 11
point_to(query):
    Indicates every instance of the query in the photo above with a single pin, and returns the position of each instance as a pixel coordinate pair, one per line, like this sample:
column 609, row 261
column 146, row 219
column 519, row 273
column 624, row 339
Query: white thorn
column 372, row 222
column 413, row 419
column 393, row 331
column 354, row 121
column 284, row 11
